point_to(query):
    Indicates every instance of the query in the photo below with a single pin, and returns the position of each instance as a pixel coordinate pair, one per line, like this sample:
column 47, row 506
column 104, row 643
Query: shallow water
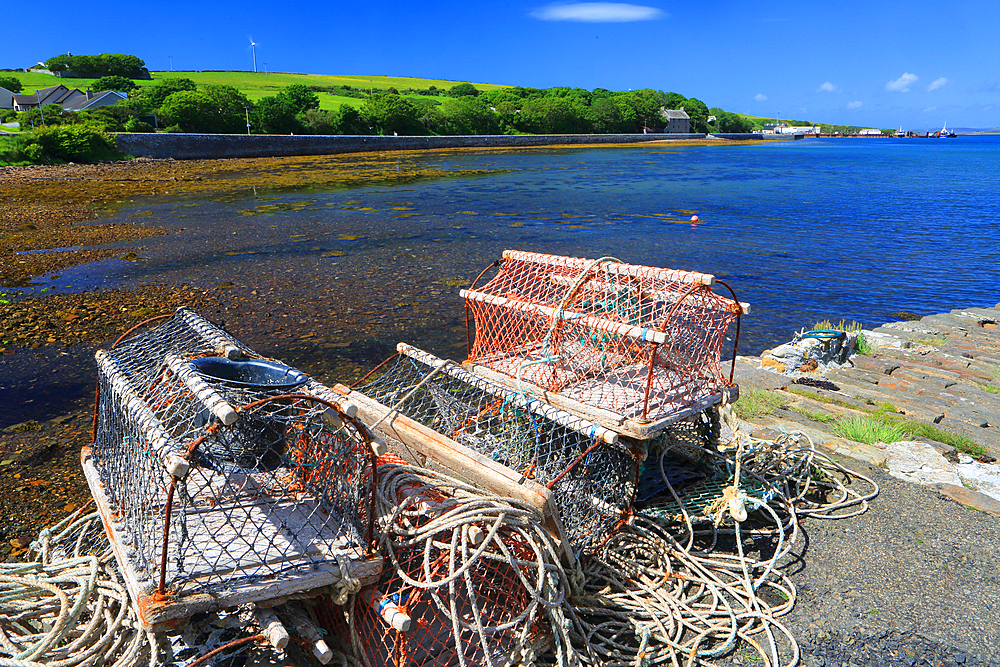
column 803, row 231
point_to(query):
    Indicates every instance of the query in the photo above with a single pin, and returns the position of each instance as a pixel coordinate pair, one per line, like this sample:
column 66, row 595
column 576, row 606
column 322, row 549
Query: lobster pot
column 635, row 347
column 591, row 475
column 218, row 472
column 468, row 579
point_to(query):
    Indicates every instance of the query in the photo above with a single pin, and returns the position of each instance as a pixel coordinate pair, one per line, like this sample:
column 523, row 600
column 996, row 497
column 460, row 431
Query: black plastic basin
column 253, row 443
column 250, row 373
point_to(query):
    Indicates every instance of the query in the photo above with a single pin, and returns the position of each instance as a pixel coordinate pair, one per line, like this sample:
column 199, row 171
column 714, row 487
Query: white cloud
column 598, row 12
column 760, row 97
column 827, row 88
column 902, row 84
column 937, row 83
column 930, row 109
column 854, row 105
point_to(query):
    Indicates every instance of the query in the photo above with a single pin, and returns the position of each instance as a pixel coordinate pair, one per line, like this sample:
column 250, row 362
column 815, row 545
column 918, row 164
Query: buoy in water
column 694, row 218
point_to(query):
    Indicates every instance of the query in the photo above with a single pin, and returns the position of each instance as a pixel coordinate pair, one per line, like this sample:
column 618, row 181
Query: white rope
column 68, row 608
column 412, row 524
column 348, row 584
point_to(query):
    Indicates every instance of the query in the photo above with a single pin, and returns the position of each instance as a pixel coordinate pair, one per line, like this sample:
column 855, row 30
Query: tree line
column 179, row 105
column 106, row 64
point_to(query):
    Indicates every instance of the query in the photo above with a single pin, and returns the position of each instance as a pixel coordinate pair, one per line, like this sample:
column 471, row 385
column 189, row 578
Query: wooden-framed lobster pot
column 578, row 474
column 224, row 478
column 633, row 348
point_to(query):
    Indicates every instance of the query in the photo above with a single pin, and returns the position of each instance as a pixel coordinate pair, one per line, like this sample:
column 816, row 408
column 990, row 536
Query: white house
column 6, row 99
column 71, row 99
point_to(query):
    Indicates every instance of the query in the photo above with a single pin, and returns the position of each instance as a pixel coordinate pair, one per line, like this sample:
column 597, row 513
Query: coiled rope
column 69, row 607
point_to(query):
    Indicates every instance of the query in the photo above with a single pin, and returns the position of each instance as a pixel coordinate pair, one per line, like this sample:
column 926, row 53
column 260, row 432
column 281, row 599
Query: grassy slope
column 256, row 85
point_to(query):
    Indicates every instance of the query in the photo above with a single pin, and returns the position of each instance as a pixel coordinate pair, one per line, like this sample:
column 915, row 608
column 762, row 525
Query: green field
column 257, row 85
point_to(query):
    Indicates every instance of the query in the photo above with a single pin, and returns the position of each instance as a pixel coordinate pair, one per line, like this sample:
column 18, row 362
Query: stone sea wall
column 206, row 146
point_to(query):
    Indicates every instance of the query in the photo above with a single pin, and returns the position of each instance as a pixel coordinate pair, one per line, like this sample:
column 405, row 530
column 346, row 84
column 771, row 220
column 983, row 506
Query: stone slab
column 919, row 376
column 988, row 437
column 906, row 329
column 759, row 378
column 855, row 376
column 983, row 477
column 918, row 462
column 987, row 400
column 968, row 414
column 949, row 321
column 979, row 312
column 970, row 498
column 874, row 365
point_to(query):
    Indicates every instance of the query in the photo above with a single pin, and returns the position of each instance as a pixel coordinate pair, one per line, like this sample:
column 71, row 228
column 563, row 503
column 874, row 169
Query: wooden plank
column 603, row 287
column 635, row 270
column 307, row 580
column 486, row 472
column 249, row 539
column 480, row 471
column 138, row 586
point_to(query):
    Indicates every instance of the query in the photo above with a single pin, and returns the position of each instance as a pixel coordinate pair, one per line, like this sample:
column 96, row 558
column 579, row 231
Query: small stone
column 771, row 363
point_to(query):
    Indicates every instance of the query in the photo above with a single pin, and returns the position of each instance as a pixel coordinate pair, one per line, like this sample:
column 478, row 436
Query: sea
column 862, row 230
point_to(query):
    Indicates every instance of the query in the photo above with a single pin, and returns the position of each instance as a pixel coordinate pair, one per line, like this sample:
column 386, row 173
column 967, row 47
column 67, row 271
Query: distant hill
column 257, row 85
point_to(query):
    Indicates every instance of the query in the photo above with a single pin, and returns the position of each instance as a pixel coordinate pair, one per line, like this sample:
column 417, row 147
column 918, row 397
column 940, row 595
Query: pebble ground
column 913, row 581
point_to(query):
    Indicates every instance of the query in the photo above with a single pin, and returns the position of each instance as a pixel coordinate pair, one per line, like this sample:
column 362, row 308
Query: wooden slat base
column 583, row 398
column 305, row 556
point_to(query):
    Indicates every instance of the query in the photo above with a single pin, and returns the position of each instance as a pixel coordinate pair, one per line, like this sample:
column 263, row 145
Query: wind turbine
column 253, row 47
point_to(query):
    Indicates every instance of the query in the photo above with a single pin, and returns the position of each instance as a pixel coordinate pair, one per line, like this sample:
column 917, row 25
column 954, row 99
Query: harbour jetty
column 934, row 380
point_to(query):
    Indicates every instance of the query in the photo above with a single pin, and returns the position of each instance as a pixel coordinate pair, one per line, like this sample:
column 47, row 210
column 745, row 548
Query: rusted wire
column 369, row 373
column 365, row 435
column 468, row 327
column 736, row 338
column 227, row 647
column 141, row 324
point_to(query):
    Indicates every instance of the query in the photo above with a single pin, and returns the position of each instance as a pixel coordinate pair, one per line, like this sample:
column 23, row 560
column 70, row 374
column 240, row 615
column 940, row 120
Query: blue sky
column 918, row 63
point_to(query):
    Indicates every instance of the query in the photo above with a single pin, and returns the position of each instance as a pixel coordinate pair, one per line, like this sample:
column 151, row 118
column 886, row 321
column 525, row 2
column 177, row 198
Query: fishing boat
column 945, row 133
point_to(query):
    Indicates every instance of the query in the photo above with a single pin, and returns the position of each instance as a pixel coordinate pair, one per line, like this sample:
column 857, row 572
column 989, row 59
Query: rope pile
column 682, row 589
column 470, row 579
column 480, row 578
column 68, row 606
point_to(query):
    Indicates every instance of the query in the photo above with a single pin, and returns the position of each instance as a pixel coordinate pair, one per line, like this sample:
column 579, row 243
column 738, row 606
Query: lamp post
column 247, row 109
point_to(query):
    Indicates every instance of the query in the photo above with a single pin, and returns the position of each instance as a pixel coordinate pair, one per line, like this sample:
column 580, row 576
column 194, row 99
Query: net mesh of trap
column 592, row 481
column 468, row 579
column 259, row 473
column 682, row 474
column 643, row 343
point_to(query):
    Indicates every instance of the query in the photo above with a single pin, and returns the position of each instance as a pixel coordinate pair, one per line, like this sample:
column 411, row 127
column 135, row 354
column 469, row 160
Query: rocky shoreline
column 937, row 377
